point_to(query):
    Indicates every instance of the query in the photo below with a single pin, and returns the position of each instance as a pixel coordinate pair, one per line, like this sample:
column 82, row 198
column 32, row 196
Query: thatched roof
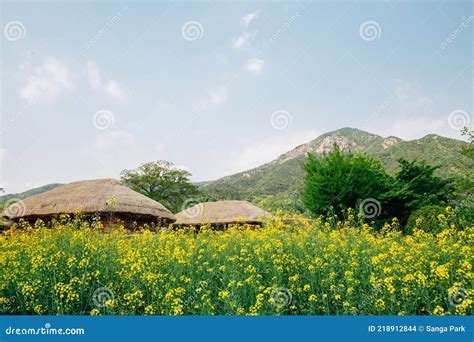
column 222, row 212
column 89, row 197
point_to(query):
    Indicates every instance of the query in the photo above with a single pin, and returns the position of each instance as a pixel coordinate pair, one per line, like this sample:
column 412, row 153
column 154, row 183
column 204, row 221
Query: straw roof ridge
column 222, row 212
column 89, row 197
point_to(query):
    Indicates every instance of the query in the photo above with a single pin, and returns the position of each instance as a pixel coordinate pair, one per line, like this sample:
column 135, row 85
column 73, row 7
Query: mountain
column 29, row 193
column 279, row 180
column 277, row 183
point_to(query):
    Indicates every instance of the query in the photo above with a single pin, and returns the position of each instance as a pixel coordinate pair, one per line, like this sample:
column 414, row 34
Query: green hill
column 29, row 193
column 276, row 184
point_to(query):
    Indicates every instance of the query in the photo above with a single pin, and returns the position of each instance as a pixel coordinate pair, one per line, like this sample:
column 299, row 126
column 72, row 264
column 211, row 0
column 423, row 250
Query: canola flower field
column 320, row 267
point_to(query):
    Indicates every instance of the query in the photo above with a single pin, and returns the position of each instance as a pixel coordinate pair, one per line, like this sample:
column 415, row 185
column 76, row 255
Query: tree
column 162, row 182
column 429, row 219
column 414, row 187
column 469, row 150
column 466, row 184
column 341, row 180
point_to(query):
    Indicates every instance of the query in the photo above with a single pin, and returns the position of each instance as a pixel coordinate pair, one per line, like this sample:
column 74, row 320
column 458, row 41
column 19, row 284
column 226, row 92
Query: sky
column 89, row 89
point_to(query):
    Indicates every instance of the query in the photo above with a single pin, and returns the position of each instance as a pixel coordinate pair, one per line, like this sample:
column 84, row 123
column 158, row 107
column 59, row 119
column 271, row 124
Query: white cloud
column 47, row 81
column 255, row 65
column 93, row 75
column 410, row 100
column 243, row 40
column 247, row 19
column 53, row 77
column 111, row 88
column 115, row 90
column 218, row 95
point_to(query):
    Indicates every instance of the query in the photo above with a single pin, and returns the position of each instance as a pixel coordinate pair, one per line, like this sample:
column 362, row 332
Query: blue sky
column 90, row 89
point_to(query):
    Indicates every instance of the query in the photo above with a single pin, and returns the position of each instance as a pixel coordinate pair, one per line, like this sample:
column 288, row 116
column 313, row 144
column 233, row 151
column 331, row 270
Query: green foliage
column 464, row 209
column 291, row 201
column 436, row 218
column 468, row 151
column 280, row 178
column 162, row 182
column 3, row 222
column 340, row 180
column 276, row 182
column 427, row 219
column 465, row 182
column 415, row 186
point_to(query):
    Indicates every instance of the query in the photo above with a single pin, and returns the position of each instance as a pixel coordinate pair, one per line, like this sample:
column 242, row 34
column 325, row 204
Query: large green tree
column 415, row 186
column 162, row 182
column 340, row 180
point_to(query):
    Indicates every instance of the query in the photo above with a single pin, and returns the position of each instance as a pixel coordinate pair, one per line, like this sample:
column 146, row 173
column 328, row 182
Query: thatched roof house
column 105, row 198
column 222, row 213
